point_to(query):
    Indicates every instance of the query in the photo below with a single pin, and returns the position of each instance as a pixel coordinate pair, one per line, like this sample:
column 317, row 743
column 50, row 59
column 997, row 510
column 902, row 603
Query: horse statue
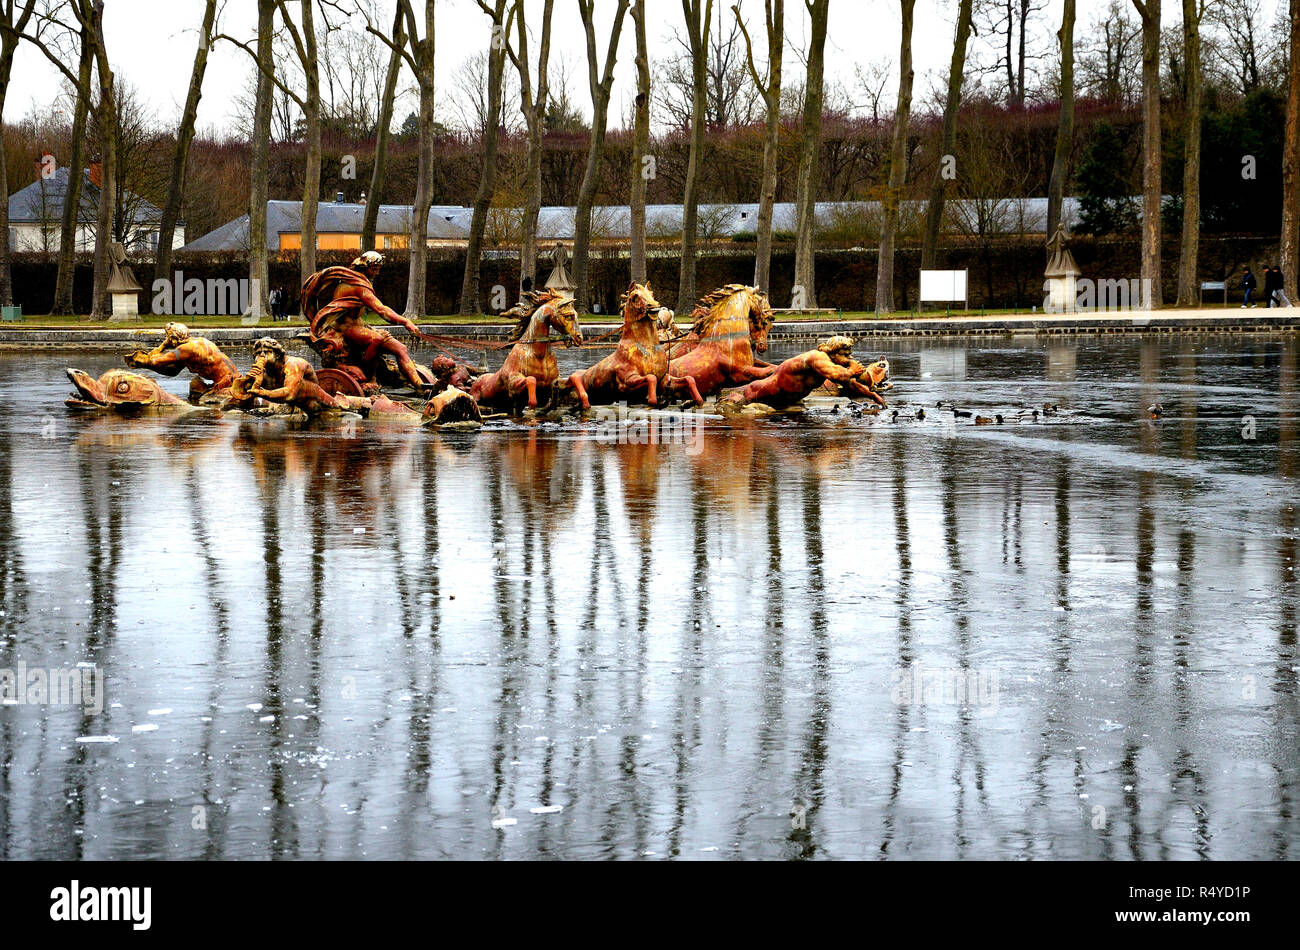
column 530, row 367
column 639, row 364
column 730, row 324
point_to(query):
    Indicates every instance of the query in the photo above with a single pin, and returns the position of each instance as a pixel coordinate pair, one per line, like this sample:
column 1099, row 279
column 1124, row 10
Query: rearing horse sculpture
column 731, row 323
column 530, row 367
column 639, row 363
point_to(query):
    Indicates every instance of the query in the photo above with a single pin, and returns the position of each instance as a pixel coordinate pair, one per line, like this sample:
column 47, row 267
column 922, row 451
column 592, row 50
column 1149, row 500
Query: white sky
column 152, row 43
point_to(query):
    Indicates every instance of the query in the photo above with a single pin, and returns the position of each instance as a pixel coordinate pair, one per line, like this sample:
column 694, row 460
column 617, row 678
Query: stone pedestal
column 126, row 308
column 1062, row 292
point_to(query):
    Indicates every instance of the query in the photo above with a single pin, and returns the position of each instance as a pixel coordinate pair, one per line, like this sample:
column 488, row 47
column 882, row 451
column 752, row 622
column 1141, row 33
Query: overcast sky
column 152, row 43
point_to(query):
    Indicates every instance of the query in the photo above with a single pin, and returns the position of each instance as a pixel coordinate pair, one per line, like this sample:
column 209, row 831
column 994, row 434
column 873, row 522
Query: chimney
column 97, row 173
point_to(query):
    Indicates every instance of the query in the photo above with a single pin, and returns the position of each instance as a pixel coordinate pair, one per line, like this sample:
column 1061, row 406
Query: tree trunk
column 775, row 14
column 948, row 145
column 6, row 280
column 640, row 146
column 1291, row 162
column 897, row 166
column 1188, row 282
column 180, row 156
column 257, row 192
column 100, row 306
column 600, row 89
column 370, row 220
column 1149, row 11
column 423, row 54
column 1065, row 124
column 10, row 43
column 63, row 278
column 9, row 38
column 697, row 29
column 469, row 293
column 311, row 114
column 534, row 110
column 805, row 255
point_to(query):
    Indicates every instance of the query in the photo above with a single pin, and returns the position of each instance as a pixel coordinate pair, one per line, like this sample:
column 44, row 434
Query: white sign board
column 943, row 286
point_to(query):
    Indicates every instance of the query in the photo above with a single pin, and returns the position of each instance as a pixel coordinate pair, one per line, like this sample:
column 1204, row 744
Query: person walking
column 1280, row 289
column 1248, row 285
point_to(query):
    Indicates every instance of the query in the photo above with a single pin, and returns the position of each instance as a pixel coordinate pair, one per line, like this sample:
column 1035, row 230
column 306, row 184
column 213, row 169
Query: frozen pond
column 530, row 642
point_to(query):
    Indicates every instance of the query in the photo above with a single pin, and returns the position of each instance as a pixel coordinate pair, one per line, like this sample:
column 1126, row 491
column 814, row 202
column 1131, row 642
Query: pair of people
column 1274, row 291
column 1274, row 288
column 279, row 302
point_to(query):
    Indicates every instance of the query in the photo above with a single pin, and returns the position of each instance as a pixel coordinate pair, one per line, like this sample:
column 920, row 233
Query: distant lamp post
column 1062, row 274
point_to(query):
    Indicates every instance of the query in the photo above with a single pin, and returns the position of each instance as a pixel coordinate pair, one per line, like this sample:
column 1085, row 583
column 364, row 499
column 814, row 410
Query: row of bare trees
column 519, row 37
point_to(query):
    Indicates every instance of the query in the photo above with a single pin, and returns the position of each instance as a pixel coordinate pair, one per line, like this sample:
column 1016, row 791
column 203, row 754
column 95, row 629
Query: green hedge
column 1003, row 274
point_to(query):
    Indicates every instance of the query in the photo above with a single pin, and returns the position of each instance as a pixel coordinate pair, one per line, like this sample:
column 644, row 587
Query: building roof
column 41, row 202
column 614, row 222
column 285, row 217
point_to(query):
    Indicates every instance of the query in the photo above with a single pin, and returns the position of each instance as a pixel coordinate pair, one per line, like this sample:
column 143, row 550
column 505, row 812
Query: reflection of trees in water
column 1286, row 709
column 101, row 483
column 809, row 782
column 952, row 471
column 906, row 653
column 271, row 487
column 772, row 697
column 698, row 614
column 214, row 840
column 13, row 601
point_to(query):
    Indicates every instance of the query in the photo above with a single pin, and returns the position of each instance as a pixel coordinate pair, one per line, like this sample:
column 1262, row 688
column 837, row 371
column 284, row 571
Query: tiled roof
column 42, row 202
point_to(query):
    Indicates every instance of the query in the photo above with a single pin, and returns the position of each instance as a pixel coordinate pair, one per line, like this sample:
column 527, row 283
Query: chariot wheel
column 338, row 382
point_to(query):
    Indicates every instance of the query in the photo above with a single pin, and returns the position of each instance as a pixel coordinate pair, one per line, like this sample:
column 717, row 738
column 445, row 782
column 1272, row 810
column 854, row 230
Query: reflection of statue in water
column 334, row 301
column 213, row 370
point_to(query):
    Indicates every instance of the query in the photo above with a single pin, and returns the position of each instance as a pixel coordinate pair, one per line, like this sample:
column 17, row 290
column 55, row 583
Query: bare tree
column 533, row 105
column 1149, row 13
column 11, row 29
column 419, row 56
column 872, row 79
column 370, row 220
column 1291, row 158
column 1108, row 63
column 52, row 37
column 1245, row 51
column 769, row 88
column 92, row 17
column 729, row 99
column 184, row 136
column 304, row 42
column 948, row 144
column 897, row 165
column 600, row 82
column 1188, row 284
column 640, row 146
column 805, row 254
column 1065, row 123
column 496, row 65
column 698, row 19
column 1009, row 22
column 258, row 272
